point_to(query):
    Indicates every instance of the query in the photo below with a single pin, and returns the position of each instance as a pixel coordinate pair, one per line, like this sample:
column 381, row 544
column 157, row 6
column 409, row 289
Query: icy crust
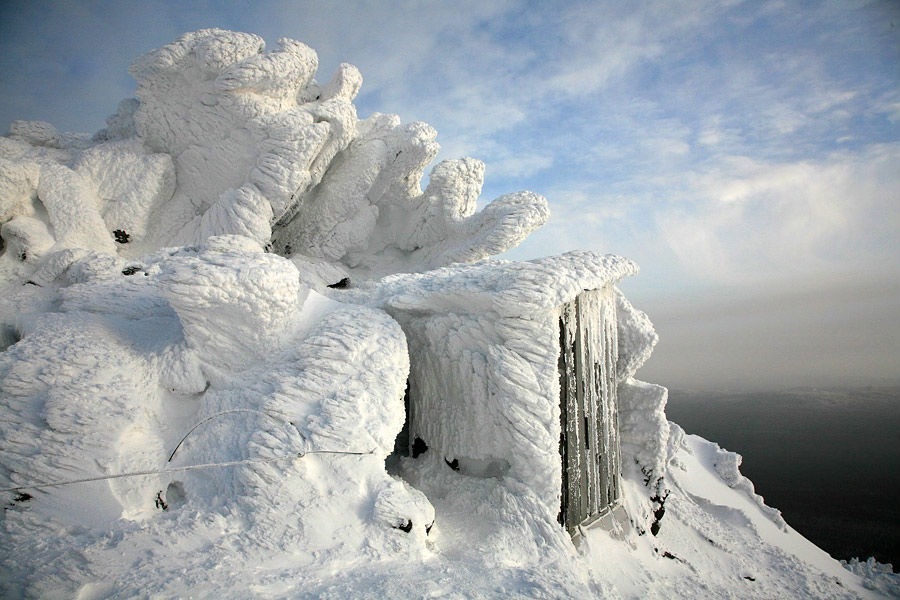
column 370, row 214
column 234, row 310
column 643, row 427
column 222, row 343
column 226, row 138
column 724, row 464
column 241, row 139
column 727, row 465
column 636, row 340
column 876, row 576
column 501, row 373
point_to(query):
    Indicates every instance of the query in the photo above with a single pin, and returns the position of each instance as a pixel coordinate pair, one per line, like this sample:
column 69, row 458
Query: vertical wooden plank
column 604, row 424
column 610, row 356
column 607, row 424
column 563, row 372
column 578, row 441
column 575, row 480
column 593, row 326
column 588, row 400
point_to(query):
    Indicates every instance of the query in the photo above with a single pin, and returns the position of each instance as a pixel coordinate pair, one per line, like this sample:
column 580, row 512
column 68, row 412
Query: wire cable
column 248, row 461
column 39, row 486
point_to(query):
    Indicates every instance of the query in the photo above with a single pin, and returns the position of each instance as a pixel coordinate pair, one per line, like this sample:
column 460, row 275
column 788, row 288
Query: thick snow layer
column 643, row 428
column 188, row 410
column 513, row 289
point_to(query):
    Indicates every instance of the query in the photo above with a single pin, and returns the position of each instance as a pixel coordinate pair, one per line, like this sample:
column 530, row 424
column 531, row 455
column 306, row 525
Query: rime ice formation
column 187, row 408
column 224, row 138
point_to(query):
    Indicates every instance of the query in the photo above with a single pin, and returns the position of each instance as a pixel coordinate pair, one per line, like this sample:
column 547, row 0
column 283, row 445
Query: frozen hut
column 513, row 373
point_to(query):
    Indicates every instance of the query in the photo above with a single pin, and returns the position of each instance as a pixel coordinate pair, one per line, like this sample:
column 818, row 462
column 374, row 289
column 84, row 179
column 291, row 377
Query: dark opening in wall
column 402, row 445
column 9, row 335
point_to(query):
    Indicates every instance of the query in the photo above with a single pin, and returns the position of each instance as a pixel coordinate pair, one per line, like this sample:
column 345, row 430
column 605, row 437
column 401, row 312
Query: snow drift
column 211, row 312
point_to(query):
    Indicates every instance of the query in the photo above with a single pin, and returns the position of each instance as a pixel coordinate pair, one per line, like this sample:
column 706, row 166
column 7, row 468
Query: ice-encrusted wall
column 589, row 441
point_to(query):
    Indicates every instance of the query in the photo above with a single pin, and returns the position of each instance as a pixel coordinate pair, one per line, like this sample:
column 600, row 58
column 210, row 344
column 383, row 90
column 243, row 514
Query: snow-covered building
column 244, row 353
column 513, row 373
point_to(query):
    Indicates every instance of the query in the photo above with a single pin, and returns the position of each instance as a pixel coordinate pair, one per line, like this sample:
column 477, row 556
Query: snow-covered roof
column 505, row 288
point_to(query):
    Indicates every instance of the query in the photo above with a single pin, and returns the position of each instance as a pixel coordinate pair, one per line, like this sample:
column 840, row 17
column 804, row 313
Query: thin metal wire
column 38, row 486
column 215, row 416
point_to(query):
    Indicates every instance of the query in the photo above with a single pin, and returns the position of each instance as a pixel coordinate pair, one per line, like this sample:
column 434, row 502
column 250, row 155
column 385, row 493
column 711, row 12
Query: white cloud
column 893, row 112
column 516, row 166
column 601, row 43
column 715, row 135
column 757, row 221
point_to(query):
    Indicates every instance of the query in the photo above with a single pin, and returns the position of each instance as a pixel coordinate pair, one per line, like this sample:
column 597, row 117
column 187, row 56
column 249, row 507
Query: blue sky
column 745, row 154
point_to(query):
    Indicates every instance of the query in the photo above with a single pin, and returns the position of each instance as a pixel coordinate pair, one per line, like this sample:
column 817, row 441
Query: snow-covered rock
column 225, row 138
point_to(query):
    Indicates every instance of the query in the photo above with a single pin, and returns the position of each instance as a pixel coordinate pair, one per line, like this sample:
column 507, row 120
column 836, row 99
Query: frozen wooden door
column 589, row 442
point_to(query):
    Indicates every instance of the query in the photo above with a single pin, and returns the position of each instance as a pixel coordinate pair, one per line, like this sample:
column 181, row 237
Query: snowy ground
column 714, row 542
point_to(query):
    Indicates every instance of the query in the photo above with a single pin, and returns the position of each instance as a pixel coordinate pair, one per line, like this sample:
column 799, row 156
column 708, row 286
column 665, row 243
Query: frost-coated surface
column 187, row 410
